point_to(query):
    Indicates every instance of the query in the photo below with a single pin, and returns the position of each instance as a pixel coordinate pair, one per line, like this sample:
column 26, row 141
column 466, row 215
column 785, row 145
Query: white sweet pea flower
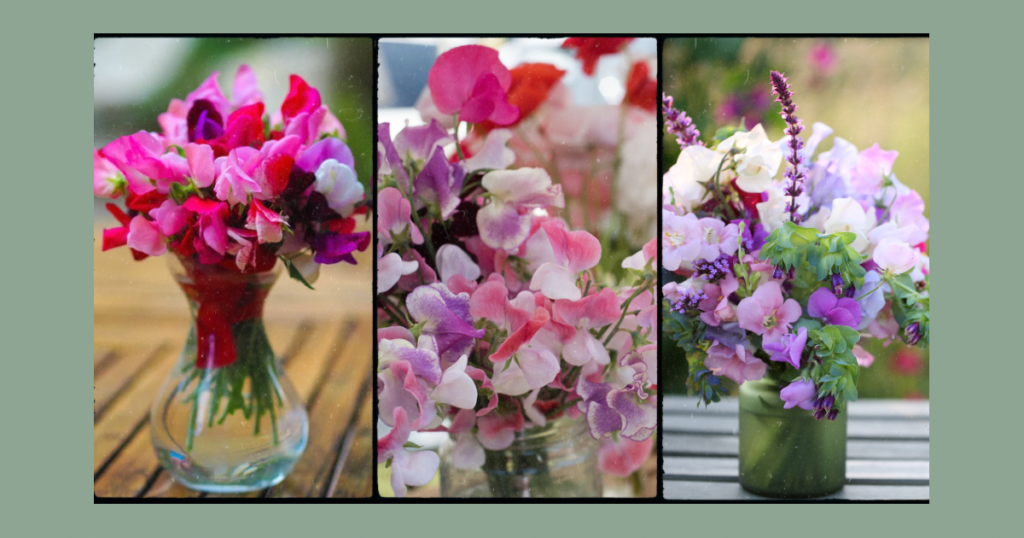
column 758, row 163
column 684, row 181
column 895, row 256
column 847, row 215
column 338, row 183
column 452, row 260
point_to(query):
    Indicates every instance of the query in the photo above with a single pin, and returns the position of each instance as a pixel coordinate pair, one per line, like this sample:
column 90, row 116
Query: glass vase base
column 243, row 478
column 795, row 495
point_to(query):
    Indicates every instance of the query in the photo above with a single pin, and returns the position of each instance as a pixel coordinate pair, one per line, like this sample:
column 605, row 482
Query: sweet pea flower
column 456, row 388
column 200, row 159
column 686, row 239
column 683, row 183
column 390, row 268
column 623, row 457
column 452, row 260
column 738, row 364
column 574, row 252
column 394, row 217
column 503, row 223
column 236, row 181
column 107, row 180
column 589, row 50
column 446, row 317
column 211, row 241
column 145, row 164
column 895, row 231
column 872, row 303
column 312, row 157
column 716, row 309
column 268, row 224
column 641, row 259
column 331, row 248
column 494, row 154
column 419, row 142
column 533, row 369
column 301, row 98
column 799, row 393
column 789, row 348
column 170, row 217
column 591, row 312
column 440, row 183
column 873, row 165
column 144, row 236
column 895, row 256
column 407, row 468
column 758, row 162
column 338, row 183
column 472, row 82
column 825, row 305
column 864, row 358
column 908, row 210
column 847, row 215
column 765, row 313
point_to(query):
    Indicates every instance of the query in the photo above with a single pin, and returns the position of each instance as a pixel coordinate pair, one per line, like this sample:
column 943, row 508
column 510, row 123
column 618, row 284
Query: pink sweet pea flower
column 107, row 180
column 144, row 236
column 687, row 238
column 390, row 269
column 452, row 261
column 504, row 223
column 799, row 393
column 575, row 252
column 394, row 216
column 456, row 387
column 145, row 165
column 640, row 260
column 873, row 164
column 716, row 308
column 472, row 82
column 236, row 181
column 170, row 217
column 497, row 430
column 268, row 224
column 407, row 468
column 766, row 314
column 895, row 256
column 864, row 358
column 200, row 164
column 739, row 365
column 623, row 457
column 591, row 312
column 245, row 91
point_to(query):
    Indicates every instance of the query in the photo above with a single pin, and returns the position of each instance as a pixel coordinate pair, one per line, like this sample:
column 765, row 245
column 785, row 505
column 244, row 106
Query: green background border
column 975, row 86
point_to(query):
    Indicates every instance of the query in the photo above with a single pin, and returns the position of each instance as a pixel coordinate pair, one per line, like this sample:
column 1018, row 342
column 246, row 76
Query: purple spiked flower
column 715, row 270
column 689, row 302
column 780, row 87
column 678, row 124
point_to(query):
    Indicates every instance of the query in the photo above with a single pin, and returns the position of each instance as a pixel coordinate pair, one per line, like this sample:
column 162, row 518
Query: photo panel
column 239, row 364
column 795, row 262
column 516, row 250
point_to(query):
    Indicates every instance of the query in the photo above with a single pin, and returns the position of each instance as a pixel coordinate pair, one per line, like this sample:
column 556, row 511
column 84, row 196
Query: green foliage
column 294, row 272
column 837, row 372
column 825, row 254
column 833, row 255
column 910, row 307
column 786, row 246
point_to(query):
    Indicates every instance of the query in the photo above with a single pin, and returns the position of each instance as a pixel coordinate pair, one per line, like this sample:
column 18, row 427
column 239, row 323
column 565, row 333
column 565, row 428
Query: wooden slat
column 331, row 412
column 731, row 491
column 165, row 486
column 857, row 471
column 116, row 377
column 876, row 409
column 856, row 428
column 353, row 475
column 723, row 445
column 131, row 471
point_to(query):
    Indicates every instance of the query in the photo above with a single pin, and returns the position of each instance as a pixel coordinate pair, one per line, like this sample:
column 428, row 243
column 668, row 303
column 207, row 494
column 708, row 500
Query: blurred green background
column 136, row 78
column 867, row 89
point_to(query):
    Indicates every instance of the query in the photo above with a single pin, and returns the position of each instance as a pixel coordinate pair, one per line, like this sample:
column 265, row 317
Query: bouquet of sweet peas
column 786, row 275
column 230, row 190
column 495, row 316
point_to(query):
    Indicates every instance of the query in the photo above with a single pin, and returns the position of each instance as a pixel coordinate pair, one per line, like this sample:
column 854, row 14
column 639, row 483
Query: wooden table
column 887, row 451
column 325, row 337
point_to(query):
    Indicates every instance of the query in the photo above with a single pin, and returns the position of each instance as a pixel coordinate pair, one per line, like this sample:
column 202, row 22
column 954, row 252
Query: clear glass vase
column 556, row 461
column 227, row 419
column 787, row 453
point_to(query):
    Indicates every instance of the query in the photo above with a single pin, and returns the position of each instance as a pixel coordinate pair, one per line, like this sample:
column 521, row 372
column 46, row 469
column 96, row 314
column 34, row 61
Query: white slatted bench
column 887, row 451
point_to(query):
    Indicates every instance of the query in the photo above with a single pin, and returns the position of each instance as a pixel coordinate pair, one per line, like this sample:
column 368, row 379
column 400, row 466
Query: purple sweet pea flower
column 789, row 348
column 332, row 248
column 388, row 160
column 602, row 419
column 328, row 148
column 824, row 304
column 447, row 319
column 799, row 393
column 419, row 142
column 440, row 183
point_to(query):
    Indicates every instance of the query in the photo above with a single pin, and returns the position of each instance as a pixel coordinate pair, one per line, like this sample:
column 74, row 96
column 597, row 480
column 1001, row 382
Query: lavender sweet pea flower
column 446, row 317
column 789, row 348
column 824, row 304
column 440, row 183
column 388, row 160
column 328, row 148
column 799, row 393
column 602, row 419
column 418, row 143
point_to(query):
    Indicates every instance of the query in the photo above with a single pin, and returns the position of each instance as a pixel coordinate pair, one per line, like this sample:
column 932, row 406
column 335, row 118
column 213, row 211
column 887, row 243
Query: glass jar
column 787, row 453
column 227, row 419
column 556, row 461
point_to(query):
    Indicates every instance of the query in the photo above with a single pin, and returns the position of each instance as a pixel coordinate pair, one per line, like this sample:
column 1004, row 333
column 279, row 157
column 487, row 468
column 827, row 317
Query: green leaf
column 410, row 444
column 295, row 273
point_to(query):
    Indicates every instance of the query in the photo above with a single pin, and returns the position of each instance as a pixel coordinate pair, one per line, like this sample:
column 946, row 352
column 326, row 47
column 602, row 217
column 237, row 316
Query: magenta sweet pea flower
column 170, row 217
column 825, row 305
column 472, row 82
column 337, row 247
column 107, row 180
column 799, row 393
column 504, row 223
column 268, row 224
column 142, row 160
column 789, row 348
column 144, row 236
column 766, row 313
column 591, row 312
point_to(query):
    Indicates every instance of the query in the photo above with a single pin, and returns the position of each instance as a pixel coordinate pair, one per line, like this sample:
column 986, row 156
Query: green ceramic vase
column 787, row 453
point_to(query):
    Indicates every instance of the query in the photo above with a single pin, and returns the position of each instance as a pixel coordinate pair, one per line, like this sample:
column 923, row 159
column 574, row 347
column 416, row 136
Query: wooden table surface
column 887, row 451
column 324, row 336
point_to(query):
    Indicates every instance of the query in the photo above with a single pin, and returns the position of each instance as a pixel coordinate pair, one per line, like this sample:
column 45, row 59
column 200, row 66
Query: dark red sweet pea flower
column 641, row 89
column 301, row 98
column 590, row 49
column 750, row 200
column 278, row 171
column 144, row 203
column 204, row 122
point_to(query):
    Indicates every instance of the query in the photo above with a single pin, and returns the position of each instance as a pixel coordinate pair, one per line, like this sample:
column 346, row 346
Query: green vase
column 787, row 453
